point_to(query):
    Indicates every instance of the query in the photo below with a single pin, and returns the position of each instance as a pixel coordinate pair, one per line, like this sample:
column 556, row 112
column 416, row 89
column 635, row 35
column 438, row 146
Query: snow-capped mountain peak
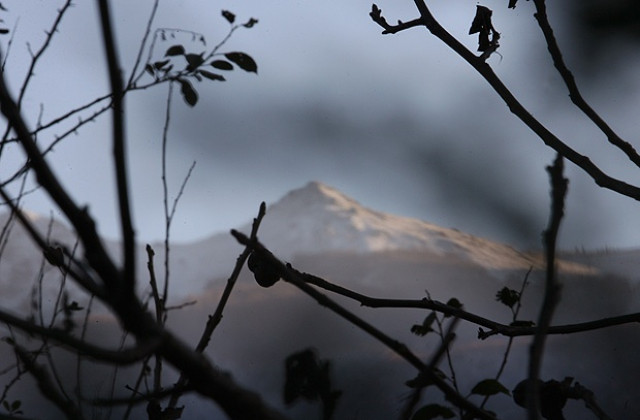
column 318, row 218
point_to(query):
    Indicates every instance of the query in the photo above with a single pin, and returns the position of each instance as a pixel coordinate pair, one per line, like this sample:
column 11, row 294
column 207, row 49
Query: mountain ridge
column 310, row 220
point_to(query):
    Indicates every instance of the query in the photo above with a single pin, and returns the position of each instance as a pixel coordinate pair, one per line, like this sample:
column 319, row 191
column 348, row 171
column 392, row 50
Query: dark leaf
column 16, row 405
column 425, row 328
column 54, row 256
column 193, row 61
column 512, row 4
column 487, row 35
column 174, row 50
column 250, row 23
column 489, row 387
column 73, row 306
column 149, row 69
column 244, row 61
column 229, row 16
column 188, row 93
column 211, row 76
column 455, row 303
column 433, row 411
column 4, row 31
column 158, row 65
column 222, row 65
column 4, row 9
column 508, row 297
column 308, row 377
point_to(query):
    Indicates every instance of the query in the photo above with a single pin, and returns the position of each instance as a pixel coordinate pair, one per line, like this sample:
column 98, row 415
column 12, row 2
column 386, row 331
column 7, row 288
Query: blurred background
column 399, row 122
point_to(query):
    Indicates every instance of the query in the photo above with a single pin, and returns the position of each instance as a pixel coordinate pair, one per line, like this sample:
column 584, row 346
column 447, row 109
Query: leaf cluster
column 308, row 377
column 184, row 65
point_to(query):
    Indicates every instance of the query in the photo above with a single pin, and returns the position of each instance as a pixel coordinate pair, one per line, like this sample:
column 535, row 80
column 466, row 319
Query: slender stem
column 572, row 86
column 550, row 139
column 119, row 151
column 290, row 275
column 168, row 216
column 552, row 288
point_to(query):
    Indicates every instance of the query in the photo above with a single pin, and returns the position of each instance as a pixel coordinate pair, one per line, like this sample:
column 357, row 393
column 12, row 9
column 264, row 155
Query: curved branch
column 550, row 139
column 121, row 357
column 574, row 92
column 495, row 328
column 290, row 275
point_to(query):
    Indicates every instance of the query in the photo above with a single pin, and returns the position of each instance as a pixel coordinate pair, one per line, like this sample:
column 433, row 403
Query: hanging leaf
column 149, row 69
column 508, row 297
column 489, row 387
column 193, row 61
column 211, row 76
column 189, row 94
column 487, row 35
column 229, row 16
column 174, row 50
column 250, row 23
column 425, row 328
column 222, row 65
column 158, row 65
column 54, row 256
column 454, row 303
column 4, row 31
column 433, row 411
column 244, row 61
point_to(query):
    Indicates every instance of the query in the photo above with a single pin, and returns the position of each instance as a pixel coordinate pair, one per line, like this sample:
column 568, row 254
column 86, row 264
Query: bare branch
column 47, row 387
column 290, row 275
column 376, row 15
column 550, row 139
column 552, row 287
column 216, row 318
column 574, row 92
column 119, row 151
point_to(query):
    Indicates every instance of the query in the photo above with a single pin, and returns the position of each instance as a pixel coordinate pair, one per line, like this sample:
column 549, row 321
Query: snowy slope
column 310, row 220
column 318, row 218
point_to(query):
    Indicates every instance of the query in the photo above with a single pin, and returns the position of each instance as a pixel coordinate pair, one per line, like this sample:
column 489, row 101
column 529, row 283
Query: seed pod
column 265, row 274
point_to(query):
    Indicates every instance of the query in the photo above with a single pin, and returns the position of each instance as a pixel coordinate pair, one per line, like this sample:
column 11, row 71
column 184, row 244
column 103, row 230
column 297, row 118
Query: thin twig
column 601, row 178
column 572, row 86
column 119, row 146
column 143, row 43
column 216, row 318
column 552, row 287
column 290, row 275
column 47, row 387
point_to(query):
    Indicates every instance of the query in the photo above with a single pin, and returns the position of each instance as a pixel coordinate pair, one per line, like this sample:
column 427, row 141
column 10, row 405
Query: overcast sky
column 398, row 122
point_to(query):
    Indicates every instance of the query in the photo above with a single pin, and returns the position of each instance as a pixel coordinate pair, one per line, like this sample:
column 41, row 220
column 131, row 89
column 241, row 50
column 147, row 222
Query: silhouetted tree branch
column 485, row 70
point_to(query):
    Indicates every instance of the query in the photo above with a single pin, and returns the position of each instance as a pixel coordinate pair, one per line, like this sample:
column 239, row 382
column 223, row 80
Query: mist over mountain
column 322, row 231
